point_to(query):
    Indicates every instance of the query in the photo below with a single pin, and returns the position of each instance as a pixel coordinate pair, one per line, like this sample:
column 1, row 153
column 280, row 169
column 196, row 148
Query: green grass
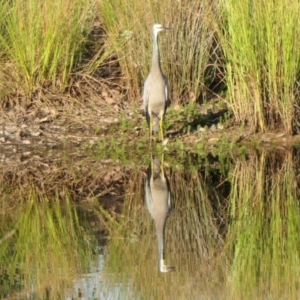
column 43, row 42
column 261, row 48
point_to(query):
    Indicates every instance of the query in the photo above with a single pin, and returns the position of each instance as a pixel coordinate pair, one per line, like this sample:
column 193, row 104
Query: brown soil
column 42, row 127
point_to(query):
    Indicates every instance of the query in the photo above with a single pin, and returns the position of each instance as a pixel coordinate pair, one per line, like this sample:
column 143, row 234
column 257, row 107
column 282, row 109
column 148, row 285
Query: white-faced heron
column 158, row 199
column 156, row 89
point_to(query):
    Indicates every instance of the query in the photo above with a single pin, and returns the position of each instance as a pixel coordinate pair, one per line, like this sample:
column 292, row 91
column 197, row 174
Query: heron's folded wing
column 146, row 93
column 167, row 92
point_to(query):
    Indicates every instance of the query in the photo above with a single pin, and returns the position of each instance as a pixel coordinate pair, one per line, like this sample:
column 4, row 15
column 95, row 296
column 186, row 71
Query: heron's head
column 157, row 28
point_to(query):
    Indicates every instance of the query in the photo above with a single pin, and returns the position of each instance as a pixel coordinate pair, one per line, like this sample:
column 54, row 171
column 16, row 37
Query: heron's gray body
column 156, row 88
column 158, row 195
column 158, row 199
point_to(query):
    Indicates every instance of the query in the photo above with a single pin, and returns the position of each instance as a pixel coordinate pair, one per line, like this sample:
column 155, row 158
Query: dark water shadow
column 209, row 119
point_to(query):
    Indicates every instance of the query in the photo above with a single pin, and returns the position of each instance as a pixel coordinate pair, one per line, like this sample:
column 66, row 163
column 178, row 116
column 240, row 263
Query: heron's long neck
column 155, row 66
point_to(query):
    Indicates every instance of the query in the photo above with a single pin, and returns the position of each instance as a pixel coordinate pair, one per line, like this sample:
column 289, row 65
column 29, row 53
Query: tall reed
column 262, row 62
column 41, row 42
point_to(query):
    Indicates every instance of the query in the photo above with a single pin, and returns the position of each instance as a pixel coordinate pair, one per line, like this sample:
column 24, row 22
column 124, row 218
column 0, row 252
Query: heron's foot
column 154, row 138
column 161, row 129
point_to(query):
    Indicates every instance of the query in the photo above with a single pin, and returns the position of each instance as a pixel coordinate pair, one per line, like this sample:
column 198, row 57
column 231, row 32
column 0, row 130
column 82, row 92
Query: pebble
column 213, row 127
column 104, row 94
column 38, row 133
column 10, row 129
column 109, row 100
column 212, row 140
column 266, row 139
column 115, row 92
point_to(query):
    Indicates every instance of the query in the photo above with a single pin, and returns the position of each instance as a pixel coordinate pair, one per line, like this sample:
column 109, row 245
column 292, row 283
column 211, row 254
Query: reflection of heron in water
column 158, row 199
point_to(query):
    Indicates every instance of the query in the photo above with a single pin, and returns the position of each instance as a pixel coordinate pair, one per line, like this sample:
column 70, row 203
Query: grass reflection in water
column 232, row 234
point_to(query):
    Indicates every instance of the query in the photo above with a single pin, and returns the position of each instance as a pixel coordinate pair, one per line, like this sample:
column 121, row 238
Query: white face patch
column 157, row 28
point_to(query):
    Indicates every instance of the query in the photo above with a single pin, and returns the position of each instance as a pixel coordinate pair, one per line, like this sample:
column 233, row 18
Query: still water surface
column 214, row 227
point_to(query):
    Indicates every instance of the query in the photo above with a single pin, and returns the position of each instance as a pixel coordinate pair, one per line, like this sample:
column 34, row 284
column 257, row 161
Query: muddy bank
column 41, row 127
column 64, row 174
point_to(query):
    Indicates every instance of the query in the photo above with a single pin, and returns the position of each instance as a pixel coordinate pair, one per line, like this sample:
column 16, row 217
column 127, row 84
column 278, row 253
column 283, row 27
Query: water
column 232, row 232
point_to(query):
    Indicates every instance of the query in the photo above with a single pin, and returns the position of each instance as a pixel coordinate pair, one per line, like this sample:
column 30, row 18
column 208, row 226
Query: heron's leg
column 150, row 125
column 152, row 168
column 162, row 166
column 161, row 128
